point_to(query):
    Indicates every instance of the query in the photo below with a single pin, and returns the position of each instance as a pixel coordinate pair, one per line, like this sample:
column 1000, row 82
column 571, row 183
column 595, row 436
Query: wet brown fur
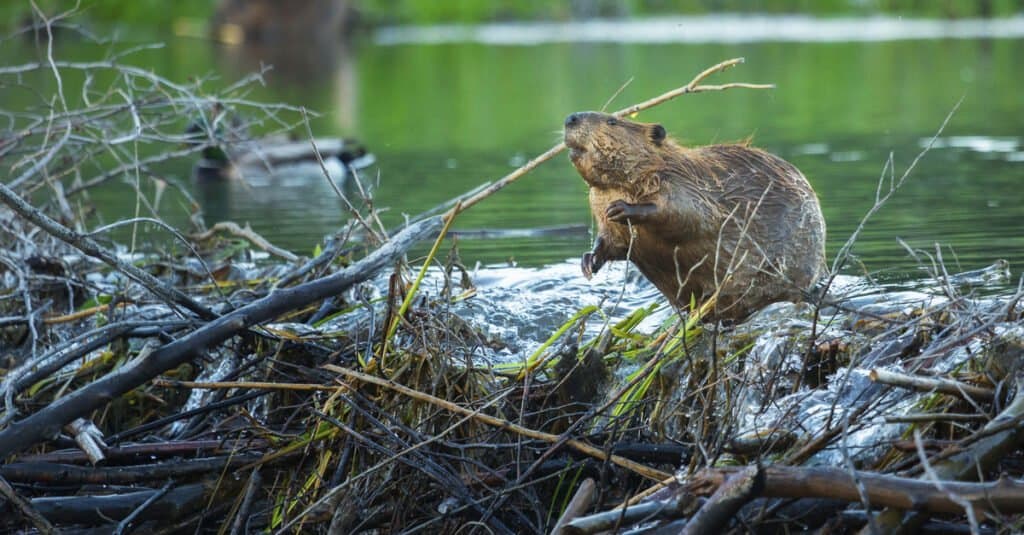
column 727, row 216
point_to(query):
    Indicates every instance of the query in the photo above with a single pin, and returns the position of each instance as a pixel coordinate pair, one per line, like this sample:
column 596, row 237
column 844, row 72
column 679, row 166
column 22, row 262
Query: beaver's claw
column 620, row 211
column 590, row 263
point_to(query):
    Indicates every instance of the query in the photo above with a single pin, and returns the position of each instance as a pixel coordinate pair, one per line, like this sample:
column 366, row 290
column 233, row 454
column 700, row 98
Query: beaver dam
column 216, row 383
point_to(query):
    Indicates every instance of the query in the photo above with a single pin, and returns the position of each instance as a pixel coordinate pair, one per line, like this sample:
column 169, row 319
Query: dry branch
column 579, row 503
column 932, row 384
column 249, row 234
column 968, row 464
column 737, row 489
column 25, row 507
column 172, row 505
column 675, row 506
column 69, row 474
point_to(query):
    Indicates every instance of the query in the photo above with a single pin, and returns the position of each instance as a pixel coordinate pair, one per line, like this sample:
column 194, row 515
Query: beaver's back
column 761, row 226
column 736, row 218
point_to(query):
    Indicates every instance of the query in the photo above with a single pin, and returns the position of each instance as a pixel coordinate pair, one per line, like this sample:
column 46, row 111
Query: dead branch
column 100, row 509
column 737, row 489
column 88, row 246
column 69, row 474
column 932, row 384
column 676, row 506
column 928, row 417
column 249, row 234
column 969, row 464
column 1005, row 495
column 25, row 507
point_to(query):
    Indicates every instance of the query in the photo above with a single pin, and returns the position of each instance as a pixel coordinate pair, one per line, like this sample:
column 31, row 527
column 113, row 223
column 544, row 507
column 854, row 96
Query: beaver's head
column 607, row 150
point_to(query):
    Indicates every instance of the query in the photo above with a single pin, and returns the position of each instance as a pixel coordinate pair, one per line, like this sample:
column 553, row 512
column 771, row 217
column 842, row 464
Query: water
column 444, row 117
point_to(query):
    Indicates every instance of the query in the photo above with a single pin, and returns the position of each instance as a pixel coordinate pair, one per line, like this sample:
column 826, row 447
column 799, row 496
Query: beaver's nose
column 572, row 119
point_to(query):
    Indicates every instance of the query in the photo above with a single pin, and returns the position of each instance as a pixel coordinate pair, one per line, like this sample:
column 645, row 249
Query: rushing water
column 445, row 115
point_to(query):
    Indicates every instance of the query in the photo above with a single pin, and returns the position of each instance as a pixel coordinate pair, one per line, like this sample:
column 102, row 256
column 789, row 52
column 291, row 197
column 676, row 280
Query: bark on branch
column 1004, row 495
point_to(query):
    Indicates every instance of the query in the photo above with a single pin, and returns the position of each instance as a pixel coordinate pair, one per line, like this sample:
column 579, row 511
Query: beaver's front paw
column 590, row 264
column 621, row 211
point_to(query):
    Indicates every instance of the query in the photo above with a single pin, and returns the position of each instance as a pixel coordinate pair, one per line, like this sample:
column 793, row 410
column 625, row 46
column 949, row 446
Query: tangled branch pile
column 191, row 389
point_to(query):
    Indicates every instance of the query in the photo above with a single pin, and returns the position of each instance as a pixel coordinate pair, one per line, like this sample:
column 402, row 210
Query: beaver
column 730, row 217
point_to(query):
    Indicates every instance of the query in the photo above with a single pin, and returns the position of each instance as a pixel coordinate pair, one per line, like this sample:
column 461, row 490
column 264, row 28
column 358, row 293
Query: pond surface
column 445, row 115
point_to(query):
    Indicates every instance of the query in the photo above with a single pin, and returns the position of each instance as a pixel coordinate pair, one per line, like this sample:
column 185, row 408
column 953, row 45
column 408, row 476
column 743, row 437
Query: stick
column 577, row 505
column 124, row 524
column 970, row 463
column 928, row 384
column 1005, row 496
column 675, row 506
column 927, row 417
column 577, row 445
column 249, row 234
column 738, row 489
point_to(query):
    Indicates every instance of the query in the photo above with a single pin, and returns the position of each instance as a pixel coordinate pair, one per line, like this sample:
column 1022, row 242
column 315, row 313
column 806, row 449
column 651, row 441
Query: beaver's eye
column 612, row 121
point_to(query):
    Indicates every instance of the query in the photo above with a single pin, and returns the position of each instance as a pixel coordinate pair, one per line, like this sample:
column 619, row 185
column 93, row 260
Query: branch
column 1005, row 495
column 26, row 508
column 929, row 384
column 970, row 463
column 738, row 489
column 581, row 500
column 249, row 234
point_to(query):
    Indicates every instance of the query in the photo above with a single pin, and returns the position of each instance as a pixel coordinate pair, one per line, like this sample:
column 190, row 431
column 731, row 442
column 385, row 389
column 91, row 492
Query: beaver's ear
column 657, row 133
